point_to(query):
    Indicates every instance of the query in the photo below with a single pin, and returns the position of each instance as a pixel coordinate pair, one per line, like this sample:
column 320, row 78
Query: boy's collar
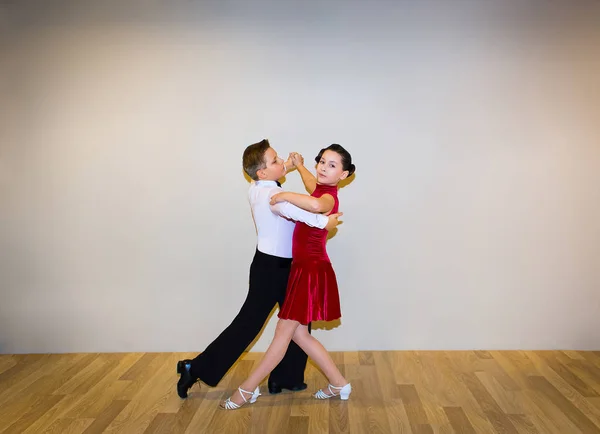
column 268, row 181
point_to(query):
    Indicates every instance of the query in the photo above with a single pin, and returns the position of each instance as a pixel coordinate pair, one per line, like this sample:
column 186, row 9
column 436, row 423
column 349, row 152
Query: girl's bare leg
column 283, row 335
column 317, row 352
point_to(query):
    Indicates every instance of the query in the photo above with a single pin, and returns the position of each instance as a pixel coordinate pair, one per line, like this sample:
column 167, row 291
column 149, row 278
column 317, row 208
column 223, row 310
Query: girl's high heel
column 344, row 392
column 230, row 405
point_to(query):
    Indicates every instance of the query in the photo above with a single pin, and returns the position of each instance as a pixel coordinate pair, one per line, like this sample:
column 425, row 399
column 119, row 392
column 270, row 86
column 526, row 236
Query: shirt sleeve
column 290, row 211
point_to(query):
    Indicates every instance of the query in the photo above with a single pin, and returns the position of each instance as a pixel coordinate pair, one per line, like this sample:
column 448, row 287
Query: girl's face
column 329, row 169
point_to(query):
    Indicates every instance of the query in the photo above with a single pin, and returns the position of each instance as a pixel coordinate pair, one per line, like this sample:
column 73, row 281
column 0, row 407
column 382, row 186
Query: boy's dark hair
column 254, row 158
column 346, row 157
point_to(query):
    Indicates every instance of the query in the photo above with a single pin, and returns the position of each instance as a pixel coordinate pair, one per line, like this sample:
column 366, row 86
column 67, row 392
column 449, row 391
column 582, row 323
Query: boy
column 269, row 273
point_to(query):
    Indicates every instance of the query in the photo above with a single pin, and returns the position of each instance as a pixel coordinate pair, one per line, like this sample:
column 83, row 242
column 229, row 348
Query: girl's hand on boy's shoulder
column 278, row 197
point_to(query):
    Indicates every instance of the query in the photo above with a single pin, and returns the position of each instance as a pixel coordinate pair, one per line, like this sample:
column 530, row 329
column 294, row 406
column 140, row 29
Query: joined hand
column 297, row 159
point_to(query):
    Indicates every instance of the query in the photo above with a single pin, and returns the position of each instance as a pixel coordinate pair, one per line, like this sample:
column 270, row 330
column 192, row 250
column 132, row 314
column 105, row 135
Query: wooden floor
column 393, row 392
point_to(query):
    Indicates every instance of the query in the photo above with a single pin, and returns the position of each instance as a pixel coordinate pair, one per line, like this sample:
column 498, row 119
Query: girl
column 312, row 292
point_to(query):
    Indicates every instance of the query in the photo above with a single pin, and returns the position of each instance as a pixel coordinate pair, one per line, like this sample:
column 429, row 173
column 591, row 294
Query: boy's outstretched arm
column 289, row 163
column 292, row 212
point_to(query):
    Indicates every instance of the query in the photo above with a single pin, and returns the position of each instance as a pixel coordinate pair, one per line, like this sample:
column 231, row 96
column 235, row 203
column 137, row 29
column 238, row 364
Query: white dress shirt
column 275, row 224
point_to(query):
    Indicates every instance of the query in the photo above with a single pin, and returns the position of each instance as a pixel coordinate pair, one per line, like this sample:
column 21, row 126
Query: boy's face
column 275, row 166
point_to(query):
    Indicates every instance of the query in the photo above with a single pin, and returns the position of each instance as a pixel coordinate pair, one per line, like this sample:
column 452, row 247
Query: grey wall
column 473, row 220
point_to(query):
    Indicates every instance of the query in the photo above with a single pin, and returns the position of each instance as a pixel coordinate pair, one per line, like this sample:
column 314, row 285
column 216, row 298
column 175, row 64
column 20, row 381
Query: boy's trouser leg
column 267, row 275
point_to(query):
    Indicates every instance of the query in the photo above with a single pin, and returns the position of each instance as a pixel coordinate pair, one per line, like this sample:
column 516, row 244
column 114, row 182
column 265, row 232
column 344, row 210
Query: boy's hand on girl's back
column 333, row 221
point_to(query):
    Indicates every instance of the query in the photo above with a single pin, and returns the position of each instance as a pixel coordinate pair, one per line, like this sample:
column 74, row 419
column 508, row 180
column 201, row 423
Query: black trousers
column 268, row 283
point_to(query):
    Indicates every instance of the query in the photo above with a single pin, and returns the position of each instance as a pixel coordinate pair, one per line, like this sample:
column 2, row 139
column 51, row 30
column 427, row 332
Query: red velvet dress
column 312, row 290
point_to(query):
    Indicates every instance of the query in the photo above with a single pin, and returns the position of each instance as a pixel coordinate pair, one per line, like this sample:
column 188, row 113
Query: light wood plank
column 434, row 392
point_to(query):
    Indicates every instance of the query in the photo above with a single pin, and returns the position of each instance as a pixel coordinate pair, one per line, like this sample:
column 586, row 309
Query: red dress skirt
column 312, row 290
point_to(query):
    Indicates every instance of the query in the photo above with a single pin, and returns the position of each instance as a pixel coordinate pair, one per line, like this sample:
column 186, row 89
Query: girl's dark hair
column 346, row 157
